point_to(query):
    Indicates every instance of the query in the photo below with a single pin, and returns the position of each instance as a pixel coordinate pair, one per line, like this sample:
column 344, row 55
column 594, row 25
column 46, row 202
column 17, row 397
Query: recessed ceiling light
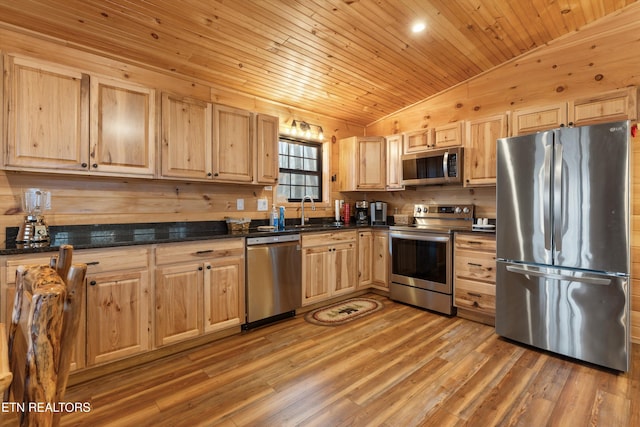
column 418, row 27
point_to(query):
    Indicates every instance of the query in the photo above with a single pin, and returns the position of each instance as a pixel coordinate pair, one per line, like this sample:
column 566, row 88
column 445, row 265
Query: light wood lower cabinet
column 116, row 306
column 380, row 260
column 475, row 276
column 365, row 258
column 199, row 288
column 329, row 263
column 178, row 302
column 373, row 259
column 117, row 315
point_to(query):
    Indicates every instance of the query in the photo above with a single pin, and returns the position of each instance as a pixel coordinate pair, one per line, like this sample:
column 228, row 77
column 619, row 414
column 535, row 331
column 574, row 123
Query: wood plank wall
column 602, row 57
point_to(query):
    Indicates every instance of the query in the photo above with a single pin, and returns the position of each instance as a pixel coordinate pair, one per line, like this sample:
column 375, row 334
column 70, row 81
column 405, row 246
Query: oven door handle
column 427, row 237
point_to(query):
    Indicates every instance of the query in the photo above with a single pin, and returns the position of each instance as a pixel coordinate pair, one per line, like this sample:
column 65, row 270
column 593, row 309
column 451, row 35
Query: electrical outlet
column 240, row 204
column 263, row 204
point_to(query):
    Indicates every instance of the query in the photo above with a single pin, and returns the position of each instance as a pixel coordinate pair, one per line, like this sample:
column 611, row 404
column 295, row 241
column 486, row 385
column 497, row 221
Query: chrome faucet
column 313, row 207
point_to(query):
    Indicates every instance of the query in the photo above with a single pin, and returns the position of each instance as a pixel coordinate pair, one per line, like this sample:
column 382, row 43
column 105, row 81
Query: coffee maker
column 362, row 212
column 33, row 231
column 378, row 213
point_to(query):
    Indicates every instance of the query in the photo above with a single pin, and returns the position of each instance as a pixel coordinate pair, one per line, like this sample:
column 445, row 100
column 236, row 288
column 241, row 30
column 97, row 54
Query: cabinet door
column 450, row 135
column 315, row 274
column 186, row 138
column 266, row 152
column 365, row 246
column 380, row 259
column 122, row 128
column 232, row 146
column 117, row 316
column 417, row 141
column 223, row 293
column 371, row 164
column 343, row 268
column 536, row 119
column 480, row 149
column 607, row 107
column 394, row 162
column 48, row 120
column 178, row 303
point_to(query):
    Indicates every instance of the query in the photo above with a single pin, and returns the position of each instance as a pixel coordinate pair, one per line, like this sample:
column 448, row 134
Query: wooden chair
column 42, row 335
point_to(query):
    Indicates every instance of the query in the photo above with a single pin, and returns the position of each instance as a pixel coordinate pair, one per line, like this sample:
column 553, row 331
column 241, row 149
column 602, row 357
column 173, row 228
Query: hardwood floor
column 398, row 367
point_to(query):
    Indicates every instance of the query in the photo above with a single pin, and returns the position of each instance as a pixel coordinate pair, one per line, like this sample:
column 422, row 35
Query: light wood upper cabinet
column 266, row 149
column 122, row 128
column 536, row 119
column 48, row 120
column 186, row 137
column 600, row 108
column 449, row 135
column 394, row 162
column 606, row 107
column 417, row 141
column 49, row 127
column 232, row 144
column 362, row 164
column 480, row 149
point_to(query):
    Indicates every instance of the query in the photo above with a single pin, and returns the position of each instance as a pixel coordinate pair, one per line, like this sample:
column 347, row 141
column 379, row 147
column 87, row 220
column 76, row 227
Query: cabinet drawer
column 479, row 242
column 320, row 239
column 172, row 253
column 97, row 260
column 475, row 296
column 475, row 265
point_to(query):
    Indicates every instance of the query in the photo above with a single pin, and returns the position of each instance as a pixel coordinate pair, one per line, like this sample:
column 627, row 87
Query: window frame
column 320, row 172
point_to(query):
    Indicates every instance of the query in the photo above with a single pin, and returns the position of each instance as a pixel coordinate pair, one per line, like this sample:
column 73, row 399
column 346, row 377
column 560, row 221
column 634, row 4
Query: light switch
column 240, row 204
column 263, row 204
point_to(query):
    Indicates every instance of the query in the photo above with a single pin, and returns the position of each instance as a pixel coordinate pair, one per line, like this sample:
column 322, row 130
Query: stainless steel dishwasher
column 274, row 278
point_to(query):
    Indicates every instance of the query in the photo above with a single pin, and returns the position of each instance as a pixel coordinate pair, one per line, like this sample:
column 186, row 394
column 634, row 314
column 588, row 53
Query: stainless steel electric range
column 421, row 261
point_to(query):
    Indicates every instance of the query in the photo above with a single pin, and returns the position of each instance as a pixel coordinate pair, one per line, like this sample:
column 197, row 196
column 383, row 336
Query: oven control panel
column 443, row 211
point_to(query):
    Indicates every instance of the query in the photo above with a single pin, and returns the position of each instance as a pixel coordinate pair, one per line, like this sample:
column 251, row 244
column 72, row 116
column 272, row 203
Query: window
column 300, row 169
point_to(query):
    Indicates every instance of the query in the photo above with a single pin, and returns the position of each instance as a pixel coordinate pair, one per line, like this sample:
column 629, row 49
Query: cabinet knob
column 209, row 174
column 93, row 283
column 95, row 165
column 200, row 268
column 84, row 165
column 215, row 174
column 208, row 267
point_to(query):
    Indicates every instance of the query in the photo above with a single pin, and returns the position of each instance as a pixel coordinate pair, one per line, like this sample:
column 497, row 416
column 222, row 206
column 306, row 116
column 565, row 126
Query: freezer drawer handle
column 537, row 273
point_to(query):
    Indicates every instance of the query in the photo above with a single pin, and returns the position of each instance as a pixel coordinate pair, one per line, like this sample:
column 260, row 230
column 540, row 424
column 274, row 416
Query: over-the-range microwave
column 443, row 166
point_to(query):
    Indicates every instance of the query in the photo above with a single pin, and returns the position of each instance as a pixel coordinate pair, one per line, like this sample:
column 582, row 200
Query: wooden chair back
column 42, row 335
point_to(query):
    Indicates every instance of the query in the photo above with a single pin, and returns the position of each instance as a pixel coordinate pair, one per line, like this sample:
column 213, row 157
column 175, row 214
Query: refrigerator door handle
column 538, row 273
column 558, row 220
column 546, row 196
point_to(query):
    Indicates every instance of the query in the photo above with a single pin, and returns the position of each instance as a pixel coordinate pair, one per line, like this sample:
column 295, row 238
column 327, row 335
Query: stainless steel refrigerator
column 563, row 242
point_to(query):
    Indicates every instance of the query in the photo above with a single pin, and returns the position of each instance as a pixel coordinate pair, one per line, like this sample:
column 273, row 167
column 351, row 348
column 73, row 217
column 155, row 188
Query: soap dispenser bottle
column 274, row 218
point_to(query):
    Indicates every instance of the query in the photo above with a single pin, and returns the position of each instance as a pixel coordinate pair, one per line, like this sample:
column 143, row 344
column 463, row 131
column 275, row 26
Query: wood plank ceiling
column 355, row 60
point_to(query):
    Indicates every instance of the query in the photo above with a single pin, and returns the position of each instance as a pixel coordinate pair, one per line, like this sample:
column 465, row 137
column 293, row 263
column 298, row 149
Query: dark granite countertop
column 115, row 235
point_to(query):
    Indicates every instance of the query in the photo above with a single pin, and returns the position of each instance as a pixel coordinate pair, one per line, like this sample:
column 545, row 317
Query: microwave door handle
column 445, row 165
